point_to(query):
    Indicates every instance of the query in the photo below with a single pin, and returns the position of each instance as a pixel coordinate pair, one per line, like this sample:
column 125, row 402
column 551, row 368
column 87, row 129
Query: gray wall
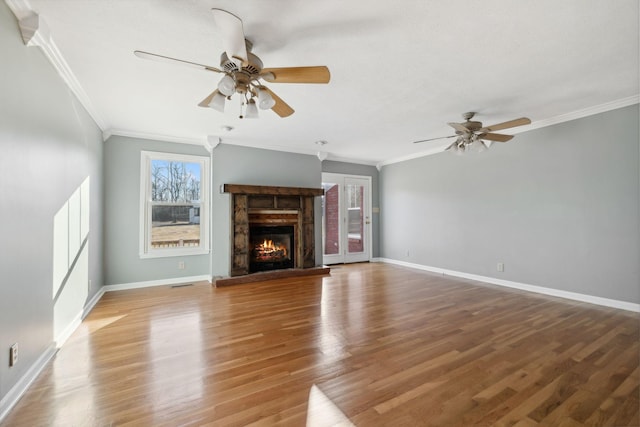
column 252, row 166
column 48, row 146
column 559, row 206
column 332, row 166
column 230, row 165
column 122, row 215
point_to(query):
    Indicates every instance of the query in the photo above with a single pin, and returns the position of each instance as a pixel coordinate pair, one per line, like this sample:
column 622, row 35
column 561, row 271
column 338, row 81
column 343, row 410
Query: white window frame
column 146, row 251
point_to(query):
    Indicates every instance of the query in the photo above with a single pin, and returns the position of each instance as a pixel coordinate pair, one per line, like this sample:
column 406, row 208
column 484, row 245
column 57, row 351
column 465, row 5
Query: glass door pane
column 331, row 219
column 354, row 194
column 357, row 214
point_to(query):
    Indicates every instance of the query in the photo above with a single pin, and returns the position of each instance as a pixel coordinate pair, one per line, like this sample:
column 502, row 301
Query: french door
column 346, row 218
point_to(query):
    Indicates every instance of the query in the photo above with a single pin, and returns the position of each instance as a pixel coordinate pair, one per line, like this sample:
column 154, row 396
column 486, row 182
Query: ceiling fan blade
column 316, row 74
column 495, row 137
column 167, row 59
column 281, row 108
column 459, row 127
column 232, row 35
column 433, row 139
column 505, row 125
column 205, row 102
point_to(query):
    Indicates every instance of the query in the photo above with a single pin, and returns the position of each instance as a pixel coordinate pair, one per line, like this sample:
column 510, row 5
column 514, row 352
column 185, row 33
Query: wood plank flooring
column 384, row 345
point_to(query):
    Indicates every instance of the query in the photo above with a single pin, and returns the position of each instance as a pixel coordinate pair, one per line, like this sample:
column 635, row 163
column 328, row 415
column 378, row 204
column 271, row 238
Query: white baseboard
column 607, row 302
column 73, row 325
column 162, row 282
column 68, row 330
column 92, row 302
column 16, row 392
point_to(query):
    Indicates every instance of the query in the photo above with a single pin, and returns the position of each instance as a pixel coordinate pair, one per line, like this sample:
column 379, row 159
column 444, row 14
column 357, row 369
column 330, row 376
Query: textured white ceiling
column 399, row 70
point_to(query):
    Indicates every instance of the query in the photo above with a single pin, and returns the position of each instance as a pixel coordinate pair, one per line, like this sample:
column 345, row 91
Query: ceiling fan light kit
column 227, row 85
column 217, row 102
column 252, row 110
column 265, row 100
column 472, row 136
column 243, row 71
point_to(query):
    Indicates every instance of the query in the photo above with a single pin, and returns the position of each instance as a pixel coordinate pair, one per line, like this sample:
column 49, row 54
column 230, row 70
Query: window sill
column 174, row 253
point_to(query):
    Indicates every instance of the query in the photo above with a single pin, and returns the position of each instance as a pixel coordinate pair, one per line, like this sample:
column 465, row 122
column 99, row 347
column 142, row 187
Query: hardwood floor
column 384, row 345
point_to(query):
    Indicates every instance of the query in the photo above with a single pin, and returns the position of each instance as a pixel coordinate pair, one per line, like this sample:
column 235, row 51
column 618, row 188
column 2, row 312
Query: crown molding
column 281, row 148
column 429, row 152
column 351, row 160
column 20, row 8
column 579, row 114
column 158, row 137
column 205, row 141
column 212, row 142
column 613, row 105
column 322, row 155
column 106, row 134
column 574, row 115
column 35, row 32
column 208, row 141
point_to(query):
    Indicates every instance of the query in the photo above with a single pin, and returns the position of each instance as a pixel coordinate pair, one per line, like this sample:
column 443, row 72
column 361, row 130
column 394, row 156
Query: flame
column 268, row 247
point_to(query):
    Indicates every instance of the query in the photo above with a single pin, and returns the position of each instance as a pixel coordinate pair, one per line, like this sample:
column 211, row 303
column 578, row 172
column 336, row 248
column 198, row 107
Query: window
column 174, row 205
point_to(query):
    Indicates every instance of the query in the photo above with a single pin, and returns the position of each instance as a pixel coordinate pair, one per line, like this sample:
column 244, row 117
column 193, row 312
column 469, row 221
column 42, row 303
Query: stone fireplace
column 272, row 233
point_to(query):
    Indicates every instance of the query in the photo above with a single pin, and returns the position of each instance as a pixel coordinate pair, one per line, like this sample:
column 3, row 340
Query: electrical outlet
column 500, row 266
column 13, row 354
column 180, row 265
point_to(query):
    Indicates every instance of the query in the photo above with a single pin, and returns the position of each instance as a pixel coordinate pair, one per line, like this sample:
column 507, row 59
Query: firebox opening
column 270, row 248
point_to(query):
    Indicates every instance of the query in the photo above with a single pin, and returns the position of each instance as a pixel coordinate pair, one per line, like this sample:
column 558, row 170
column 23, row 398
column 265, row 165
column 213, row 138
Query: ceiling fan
column 243, row 72
column 472, row 135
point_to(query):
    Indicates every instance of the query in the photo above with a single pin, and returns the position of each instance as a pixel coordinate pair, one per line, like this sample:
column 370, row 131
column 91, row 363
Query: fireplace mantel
column 269, row 204
column 272, row 191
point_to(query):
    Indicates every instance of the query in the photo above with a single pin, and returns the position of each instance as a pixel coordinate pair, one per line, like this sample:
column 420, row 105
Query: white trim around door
column 346, row 218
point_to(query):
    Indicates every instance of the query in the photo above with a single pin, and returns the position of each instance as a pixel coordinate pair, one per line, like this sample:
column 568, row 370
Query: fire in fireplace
column 270, row 248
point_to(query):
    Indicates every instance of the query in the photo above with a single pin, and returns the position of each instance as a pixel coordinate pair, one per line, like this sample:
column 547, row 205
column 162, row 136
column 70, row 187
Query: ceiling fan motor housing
column 470, row 125
column 253, row 65
column 249, row 71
